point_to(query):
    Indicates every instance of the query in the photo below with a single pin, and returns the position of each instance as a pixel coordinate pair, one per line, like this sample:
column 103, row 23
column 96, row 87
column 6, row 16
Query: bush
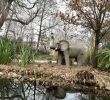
column 6, row 51
column 13, row 49
column 104, row 58
column 26, row 56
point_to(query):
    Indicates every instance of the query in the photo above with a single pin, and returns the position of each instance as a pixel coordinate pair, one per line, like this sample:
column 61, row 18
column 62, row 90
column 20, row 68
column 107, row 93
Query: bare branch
column 21, row 4
column 25, row 22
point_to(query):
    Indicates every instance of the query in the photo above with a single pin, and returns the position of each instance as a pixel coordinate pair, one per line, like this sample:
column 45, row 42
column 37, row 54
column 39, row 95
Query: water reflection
column 15, row 90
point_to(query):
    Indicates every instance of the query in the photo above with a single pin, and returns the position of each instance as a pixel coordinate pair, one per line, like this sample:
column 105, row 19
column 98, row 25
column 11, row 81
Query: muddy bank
column 83, row 78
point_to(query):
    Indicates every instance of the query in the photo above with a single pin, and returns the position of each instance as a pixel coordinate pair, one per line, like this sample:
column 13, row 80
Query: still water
column 15, row 90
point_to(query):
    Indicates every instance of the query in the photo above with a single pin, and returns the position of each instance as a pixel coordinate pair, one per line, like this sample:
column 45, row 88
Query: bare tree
column 34, row 15
column 43, row 19
column 4, row 9
column 6, row 6
column 92, row 14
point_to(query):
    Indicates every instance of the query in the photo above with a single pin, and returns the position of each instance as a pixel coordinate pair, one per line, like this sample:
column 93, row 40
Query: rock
column 86, row 78
column 12, row 74
column 16, row 80
column 59, row 93
column 1, row 73
column 107, row 87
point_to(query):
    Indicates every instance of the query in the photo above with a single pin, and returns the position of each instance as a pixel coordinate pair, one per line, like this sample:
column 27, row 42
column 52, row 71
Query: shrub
column 26, row 56
column 104, row 58
column 6, row 51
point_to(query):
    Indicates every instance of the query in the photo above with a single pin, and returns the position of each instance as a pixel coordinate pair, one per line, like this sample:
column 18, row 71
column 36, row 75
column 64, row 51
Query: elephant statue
column 66, row 52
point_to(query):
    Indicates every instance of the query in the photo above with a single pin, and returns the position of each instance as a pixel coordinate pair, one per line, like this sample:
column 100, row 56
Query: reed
column 104, row 58
column 6, row 51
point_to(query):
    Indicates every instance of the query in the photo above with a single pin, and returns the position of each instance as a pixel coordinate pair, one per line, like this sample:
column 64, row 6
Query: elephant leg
column 72, row 61
column 63, row 59
column 79, row 60
column 66, row 56
column 59, row 58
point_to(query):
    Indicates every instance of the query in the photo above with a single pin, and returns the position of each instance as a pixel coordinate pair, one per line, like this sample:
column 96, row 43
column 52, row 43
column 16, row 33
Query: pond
column 15, row 90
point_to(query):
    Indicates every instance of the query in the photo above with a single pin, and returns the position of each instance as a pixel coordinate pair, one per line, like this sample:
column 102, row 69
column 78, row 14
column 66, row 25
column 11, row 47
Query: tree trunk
column 95, row 59
column 4, row 9
column 41, row 21
column 8, row 27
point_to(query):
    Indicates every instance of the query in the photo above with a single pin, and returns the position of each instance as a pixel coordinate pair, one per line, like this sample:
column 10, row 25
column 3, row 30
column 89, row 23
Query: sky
column 61, row 5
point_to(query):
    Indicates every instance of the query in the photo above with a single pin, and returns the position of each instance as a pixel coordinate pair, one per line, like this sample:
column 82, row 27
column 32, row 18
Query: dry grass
column 54, row 75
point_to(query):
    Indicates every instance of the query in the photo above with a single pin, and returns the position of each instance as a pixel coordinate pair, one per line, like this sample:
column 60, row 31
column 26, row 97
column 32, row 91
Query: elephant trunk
column 52, row 44
column 57, row 47
column 52, row 47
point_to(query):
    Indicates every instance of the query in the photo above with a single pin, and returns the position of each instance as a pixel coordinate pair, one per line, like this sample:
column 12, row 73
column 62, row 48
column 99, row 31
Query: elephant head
column 62, row 45
column 63, row 52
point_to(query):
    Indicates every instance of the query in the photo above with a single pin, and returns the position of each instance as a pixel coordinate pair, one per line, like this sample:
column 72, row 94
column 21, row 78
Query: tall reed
column 26, row 56
column 104, row 58
column 6, row 51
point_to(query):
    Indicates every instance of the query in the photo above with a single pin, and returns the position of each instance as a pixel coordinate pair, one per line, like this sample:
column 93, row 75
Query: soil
column 74, row 77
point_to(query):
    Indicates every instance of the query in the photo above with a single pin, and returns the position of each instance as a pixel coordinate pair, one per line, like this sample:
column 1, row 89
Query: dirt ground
column 54, row 75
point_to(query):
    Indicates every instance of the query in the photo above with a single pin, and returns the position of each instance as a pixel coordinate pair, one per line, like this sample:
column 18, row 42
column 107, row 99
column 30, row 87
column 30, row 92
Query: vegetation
column 10, row 50
column 107, row 45
column 6, row 51
column 41, row 55
column 39, row 22
column 104, row 58
column 92, row 15
column 96, row 19
column 25, row 56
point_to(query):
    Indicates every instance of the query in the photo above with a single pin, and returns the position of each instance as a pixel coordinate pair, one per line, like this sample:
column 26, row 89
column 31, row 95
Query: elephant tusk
column 56, row 48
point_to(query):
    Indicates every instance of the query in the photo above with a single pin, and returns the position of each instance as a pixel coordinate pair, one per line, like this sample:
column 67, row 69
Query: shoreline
column 52, row 75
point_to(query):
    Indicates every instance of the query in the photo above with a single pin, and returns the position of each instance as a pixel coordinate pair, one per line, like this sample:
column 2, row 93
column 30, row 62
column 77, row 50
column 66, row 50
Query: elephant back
column 64, row 45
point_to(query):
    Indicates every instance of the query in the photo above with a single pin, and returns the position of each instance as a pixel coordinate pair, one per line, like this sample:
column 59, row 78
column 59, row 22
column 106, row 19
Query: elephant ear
column 64, row 45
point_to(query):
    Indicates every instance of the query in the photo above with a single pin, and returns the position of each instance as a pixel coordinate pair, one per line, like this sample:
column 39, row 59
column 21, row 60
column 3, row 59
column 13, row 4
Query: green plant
column 26, row 56
column 104, row 58
column 6, row 51
column 18, row 47
column 42, row 56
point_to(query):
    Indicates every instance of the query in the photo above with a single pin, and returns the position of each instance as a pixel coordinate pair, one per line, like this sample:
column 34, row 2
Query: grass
column 104, row 58
column 10, row 50
column 6, row 51
column 25, row 57
column 42, row 56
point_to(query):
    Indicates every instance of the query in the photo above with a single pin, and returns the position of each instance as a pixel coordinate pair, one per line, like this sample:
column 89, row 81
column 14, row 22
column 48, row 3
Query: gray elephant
column 66, row 52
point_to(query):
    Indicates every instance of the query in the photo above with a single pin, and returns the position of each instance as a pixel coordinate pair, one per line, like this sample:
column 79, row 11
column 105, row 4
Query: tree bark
column 95, row 59
column 4, row 9
column 41, row 21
